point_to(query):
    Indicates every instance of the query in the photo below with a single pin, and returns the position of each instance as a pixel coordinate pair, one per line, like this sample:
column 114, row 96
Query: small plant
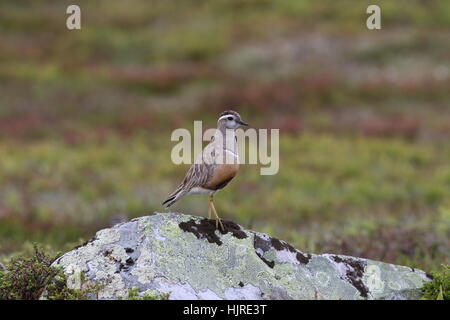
column 28, row 278
column 439, row 288
column 133, row 295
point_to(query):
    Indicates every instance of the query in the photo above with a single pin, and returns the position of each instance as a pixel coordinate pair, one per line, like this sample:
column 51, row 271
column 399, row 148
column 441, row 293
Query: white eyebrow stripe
column 225, row 116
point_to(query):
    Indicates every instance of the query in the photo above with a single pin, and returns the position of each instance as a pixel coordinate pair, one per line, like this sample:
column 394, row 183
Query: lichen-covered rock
column 185, row 257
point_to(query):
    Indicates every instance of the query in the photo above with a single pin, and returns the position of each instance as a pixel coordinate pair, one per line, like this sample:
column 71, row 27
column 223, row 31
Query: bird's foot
column 219, row 221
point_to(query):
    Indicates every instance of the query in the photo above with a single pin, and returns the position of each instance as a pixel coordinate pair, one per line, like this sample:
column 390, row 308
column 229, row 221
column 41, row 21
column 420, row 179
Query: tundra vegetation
column 86, row 117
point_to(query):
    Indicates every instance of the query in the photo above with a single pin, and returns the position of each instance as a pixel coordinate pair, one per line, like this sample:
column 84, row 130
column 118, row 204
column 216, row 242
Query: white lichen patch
column 118, row 254
column 107, row 236
column 112, row 285
column 248, row 291
column 144, row 271
column 287, row 256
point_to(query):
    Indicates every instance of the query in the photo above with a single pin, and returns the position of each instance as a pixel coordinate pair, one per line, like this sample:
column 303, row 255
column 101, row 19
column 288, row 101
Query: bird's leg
column 218, row 220
column 209, row 207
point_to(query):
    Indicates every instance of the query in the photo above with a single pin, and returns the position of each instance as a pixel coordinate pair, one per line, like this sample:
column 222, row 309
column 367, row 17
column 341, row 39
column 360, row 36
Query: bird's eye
column 230, row 118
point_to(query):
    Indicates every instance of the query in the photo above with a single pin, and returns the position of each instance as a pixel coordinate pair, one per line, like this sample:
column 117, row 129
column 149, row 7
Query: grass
column 30, row 278
column 86, row 117
column 439, row 288
column 372, row 185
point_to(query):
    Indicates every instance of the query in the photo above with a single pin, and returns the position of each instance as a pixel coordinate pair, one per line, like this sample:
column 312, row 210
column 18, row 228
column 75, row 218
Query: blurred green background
column 364, row 118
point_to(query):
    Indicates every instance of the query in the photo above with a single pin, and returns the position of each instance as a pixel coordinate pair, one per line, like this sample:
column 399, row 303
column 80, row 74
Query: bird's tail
column 174, row 197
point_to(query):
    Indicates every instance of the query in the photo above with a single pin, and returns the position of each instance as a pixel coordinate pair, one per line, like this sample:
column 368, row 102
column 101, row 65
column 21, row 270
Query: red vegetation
column 389, row 126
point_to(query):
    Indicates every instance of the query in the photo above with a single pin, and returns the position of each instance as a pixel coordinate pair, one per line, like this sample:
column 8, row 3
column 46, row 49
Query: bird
column 215, row 166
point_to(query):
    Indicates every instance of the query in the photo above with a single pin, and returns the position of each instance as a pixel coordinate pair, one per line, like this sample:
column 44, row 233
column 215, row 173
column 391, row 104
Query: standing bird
column 215, row 167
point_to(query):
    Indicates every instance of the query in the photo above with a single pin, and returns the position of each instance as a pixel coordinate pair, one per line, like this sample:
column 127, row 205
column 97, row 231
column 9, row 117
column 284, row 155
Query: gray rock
column 185, row 257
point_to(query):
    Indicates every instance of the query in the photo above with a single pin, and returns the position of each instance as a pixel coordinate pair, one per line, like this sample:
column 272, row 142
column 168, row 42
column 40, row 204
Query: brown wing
column 197, row 176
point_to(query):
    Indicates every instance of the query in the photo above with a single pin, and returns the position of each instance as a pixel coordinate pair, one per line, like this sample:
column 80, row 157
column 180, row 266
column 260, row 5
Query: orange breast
column 222, row 175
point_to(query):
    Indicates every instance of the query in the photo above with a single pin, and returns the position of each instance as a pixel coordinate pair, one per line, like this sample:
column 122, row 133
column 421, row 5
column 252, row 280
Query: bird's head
column 231, row 120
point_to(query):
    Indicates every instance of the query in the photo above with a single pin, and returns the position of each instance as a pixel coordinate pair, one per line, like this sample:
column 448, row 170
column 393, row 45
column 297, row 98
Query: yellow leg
column 209, row 207
column 218, row 220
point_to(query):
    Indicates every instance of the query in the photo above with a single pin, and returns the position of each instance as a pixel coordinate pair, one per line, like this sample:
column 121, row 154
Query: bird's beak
column 242, row 123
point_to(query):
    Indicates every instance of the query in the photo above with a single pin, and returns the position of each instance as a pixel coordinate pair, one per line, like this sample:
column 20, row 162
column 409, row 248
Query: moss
column 133, row 294
column 30, row 278
column 439, row 288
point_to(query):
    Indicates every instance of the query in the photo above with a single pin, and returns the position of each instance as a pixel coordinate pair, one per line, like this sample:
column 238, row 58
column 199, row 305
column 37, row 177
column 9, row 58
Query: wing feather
column 197, row 175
